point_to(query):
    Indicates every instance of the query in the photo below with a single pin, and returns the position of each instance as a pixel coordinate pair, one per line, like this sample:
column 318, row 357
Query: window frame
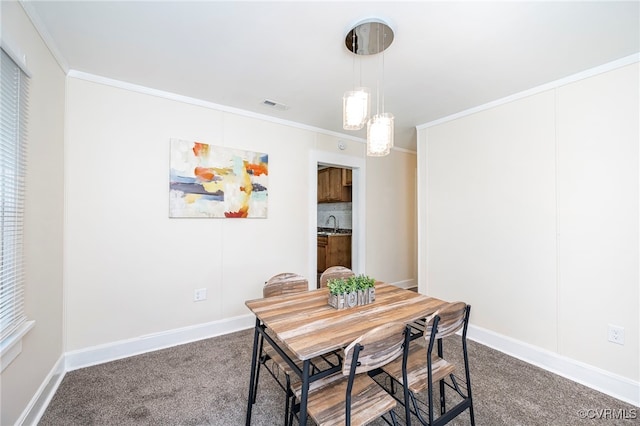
column 14, row 159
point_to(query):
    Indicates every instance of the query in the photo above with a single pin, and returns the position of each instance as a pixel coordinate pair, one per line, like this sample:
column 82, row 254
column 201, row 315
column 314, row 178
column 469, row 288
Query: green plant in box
column 363, row 282
column 348, row 285
column 337, row 286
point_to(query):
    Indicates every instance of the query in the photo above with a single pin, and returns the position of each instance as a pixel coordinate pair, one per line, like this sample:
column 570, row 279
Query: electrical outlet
column 199, row 294
column 616, row 334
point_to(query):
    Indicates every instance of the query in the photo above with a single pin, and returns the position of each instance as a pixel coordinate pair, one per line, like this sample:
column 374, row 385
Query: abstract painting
column 213, row 181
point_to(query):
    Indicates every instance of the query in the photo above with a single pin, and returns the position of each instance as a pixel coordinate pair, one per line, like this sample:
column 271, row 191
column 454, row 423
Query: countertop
column 331, row 231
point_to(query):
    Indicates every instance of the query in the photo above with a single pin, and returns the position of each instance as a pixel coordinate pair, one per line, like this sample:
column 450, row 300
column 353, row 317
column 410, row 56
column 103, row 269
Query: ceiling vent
column 275, row 105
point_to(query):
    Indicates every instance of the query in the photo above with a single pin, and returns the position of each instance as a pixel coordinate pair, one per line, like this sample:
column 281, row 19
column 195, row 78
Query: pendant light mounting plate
column 369, row 37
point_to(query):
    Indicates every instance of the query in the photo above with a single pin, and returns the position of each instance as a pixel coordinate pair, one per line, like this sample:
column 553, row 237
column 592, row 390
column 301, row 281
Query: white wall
column 491, row 224
column 130, row 271
column 598, row 247
column 20, row 382
column 530, row 214
column 391, row 227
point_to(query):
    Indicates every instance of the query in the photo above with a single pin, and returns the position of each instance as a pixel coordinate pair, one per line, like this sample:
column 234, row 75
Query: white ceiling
column 446, row 57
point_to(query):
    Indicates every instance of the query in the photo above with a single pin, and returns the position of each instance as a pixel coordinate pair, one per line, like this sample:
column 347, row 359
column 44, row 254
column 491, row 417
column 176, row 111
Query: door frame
column 358, row 165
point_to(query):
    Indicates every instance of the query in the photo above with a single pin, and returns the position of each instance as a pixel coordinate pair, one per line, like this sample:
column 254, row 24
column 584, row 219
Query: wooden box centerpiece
column 353, row 291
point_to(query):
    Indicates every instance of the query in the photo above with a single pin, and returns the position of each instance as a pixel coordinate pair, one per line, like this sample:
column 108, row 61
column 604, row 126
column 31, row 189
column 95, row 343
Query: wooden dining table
column 309, row 327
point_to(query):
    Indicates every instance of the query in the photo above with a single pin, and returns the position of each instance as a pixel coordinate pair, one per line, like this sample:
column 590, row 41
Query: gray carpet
column 206, row 383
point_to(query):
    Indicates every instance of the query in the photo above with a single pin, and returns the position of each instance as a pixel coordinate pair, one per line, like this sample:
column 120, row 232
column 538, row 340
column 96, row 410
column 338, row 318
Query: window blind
column 13, row 119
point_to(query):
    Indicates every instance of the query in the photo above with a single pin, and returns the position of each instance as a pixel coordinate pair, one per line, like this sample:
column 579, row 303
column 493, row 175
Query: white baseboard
column 39, row 402
column 406, row 284
column 126, row 348
column 603, row 381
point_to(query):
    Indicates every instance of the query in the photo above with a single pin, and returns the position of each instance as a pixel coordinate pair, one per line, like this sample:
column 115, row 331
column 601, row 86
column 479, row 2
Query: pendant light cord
column 353, row 49
column 378, row 78
column 383, row 49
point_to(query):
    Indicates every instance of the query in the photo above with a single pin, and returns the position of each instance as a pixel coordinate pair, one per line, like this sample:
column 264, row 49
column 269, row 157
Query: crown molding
column 44, row 35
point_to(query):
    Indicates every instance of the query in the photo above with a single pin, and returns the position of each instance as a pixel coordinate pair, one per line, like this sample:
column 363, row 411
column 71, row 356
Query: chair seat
column 296, row 387
column 417, row 368
column 326, row 404
column 317, row 362
column 281, row 364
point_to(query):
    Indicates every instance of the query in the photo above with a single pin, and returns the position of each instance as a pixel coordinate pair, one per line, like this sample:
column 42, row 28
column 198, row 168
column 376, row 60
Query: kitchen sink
column 338, row 232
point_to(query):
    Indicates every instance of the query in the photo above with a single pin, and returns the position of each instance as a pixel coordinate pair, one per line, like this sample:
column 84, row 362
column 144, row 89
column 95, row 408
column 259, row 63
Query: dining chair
column 352, row 396
column 279, row 285
column 423, row 369
column 285, row 283
column 335, row 272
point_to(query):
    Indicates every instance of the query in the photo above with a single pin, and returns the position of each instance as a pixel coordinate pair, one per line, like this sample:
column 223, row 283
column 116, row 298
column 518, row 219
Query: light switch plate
column 199, row 294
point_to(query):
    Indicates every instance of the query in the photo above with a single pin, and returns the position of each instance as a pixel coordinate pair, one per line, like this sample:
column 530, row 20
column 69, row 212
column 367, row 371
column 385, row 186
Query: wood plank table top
column 308, row 326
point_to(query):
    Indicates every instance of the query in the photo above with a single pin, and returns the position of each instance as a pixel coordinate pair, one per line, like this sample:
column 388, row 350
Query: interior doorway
column 340, row 218
column 335, row 218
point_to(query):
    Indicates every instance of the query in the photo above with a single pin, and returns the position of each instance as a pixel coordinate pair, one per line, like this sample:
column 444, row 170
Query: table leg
column 254, row 359
column 305, row 392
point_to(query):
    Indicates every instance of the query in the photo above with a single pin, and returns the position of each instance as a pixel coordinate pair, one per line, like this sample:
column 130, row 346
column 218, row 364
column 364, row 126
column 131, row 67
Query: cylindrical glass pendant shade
column 355, row 108
column 380, row 135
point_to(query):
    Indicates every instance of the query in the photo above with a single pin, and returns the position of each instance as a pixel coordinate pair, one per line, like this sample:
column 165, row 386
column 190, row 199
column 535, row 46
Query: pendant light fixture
column 356, row 103
column 355, row 108
column 369, row 37
column 380, row 134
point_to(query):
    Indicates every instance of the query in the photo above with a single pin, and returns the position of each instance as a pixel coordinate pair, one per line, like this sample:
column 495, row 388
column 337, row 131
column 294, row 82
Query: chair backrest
column 375, row 348
column 285, row 283
column 451, row 318
column 445, row 322
column 335, row 272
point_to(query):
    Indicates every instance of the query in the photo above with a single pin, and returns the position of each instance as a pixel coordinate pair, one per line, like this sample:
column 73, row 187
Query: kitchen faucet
column 335, row 222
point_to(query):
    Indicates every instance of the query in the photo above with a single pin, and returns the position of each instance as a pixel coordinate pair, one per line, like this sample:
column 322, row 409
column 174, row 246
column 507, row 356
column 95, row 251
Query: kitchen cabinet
column 334, row 250
column 334, row 185
column 347, row 177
